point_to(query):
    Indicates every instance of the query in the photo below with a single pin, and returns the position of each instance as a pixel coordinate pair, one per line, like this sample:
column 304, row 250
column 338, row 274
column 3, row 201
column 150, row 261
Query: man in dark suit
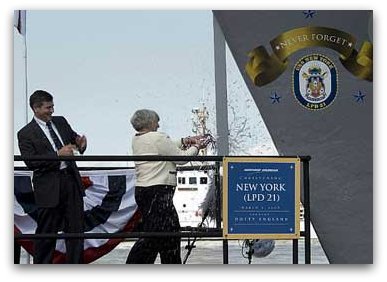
column 57, row 185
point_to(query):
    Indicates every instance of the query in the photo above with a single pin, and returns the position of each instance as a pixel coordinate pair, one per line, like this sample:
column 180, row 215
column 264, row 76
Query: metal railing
column 192, row 232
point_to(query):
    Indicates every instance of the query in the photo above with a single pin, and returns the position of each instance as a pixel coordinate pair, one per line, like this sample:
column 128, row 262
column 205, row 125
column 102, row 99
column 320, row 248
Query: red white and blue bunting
column 109, row 207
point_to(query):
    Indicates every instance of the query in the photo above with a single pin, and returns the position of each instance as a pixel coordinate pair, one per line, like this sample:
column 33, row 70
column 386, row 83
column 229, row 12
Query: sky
column 101, row 66
column 354, row 273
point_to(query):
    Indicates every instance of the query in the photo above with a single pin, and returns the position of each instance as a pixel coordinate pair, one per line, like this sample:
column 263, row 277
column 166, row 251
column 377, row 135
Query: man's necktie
column 54, row 137
column 56, row 140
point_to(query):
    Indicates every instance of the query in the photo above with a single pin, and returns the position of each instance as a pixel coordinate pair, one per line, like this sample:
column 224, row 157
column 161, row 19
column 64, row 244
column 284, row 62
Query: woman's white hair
column 143, row 119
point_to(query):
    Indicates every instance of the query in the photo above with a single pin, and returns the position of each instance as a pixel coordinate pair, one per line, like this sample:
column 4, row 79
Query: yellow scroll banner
column 263, row 68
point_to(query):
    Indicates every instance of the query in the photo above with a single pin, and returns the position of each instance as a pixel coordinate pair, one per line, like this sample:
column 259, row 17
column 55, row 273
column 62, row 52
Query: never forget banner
column 310, row 74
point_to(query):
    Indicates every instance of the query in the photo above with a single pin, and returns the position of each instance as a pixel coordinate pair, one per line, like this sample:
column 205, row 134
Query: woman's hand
column 191, row 140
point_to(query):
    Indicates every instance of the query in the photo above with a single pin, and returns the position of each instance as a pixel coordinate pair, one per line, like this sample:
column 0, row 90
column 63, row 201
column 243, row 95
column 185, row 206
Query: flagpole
column 25, row 70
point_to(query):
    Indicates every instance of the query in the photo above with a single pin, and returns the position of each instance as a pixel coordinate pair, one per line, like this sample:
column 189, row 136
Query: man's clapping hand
column 67, row 150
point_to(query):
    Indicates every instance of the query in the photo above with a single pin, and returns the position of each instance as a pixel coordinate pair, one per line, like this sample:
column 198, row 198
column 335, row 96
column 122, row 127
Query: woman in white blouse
column 155, row 187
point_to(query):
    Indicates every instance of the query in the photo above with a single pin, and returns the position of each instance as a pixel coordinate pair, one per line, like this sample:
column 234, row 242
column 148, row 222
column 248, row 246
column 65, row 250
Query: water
column 211, row 252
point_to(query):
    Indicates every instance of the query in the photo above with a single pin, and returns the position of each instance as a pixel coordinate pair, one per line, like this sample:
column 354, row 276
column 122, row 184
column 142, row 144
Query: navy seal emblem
column 315, row 81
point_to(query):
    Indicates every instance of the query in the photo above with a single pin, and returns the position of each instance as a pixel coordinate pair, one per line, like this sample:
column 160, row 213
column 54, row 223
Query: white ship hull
column 190, row 194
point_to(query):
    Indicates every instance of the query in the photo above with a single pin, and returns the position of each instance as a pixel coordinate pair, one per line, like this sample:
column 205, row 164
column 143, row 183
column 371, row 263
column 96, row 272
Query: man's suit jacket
column 46, row 174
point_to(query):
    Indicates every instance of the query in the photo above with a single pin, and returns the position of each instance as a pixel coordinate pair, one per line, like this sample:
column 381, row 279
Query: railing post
column 225, row 251
column 16, row 252
column 307, row 211
column 218, row 215
column 295, row 251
